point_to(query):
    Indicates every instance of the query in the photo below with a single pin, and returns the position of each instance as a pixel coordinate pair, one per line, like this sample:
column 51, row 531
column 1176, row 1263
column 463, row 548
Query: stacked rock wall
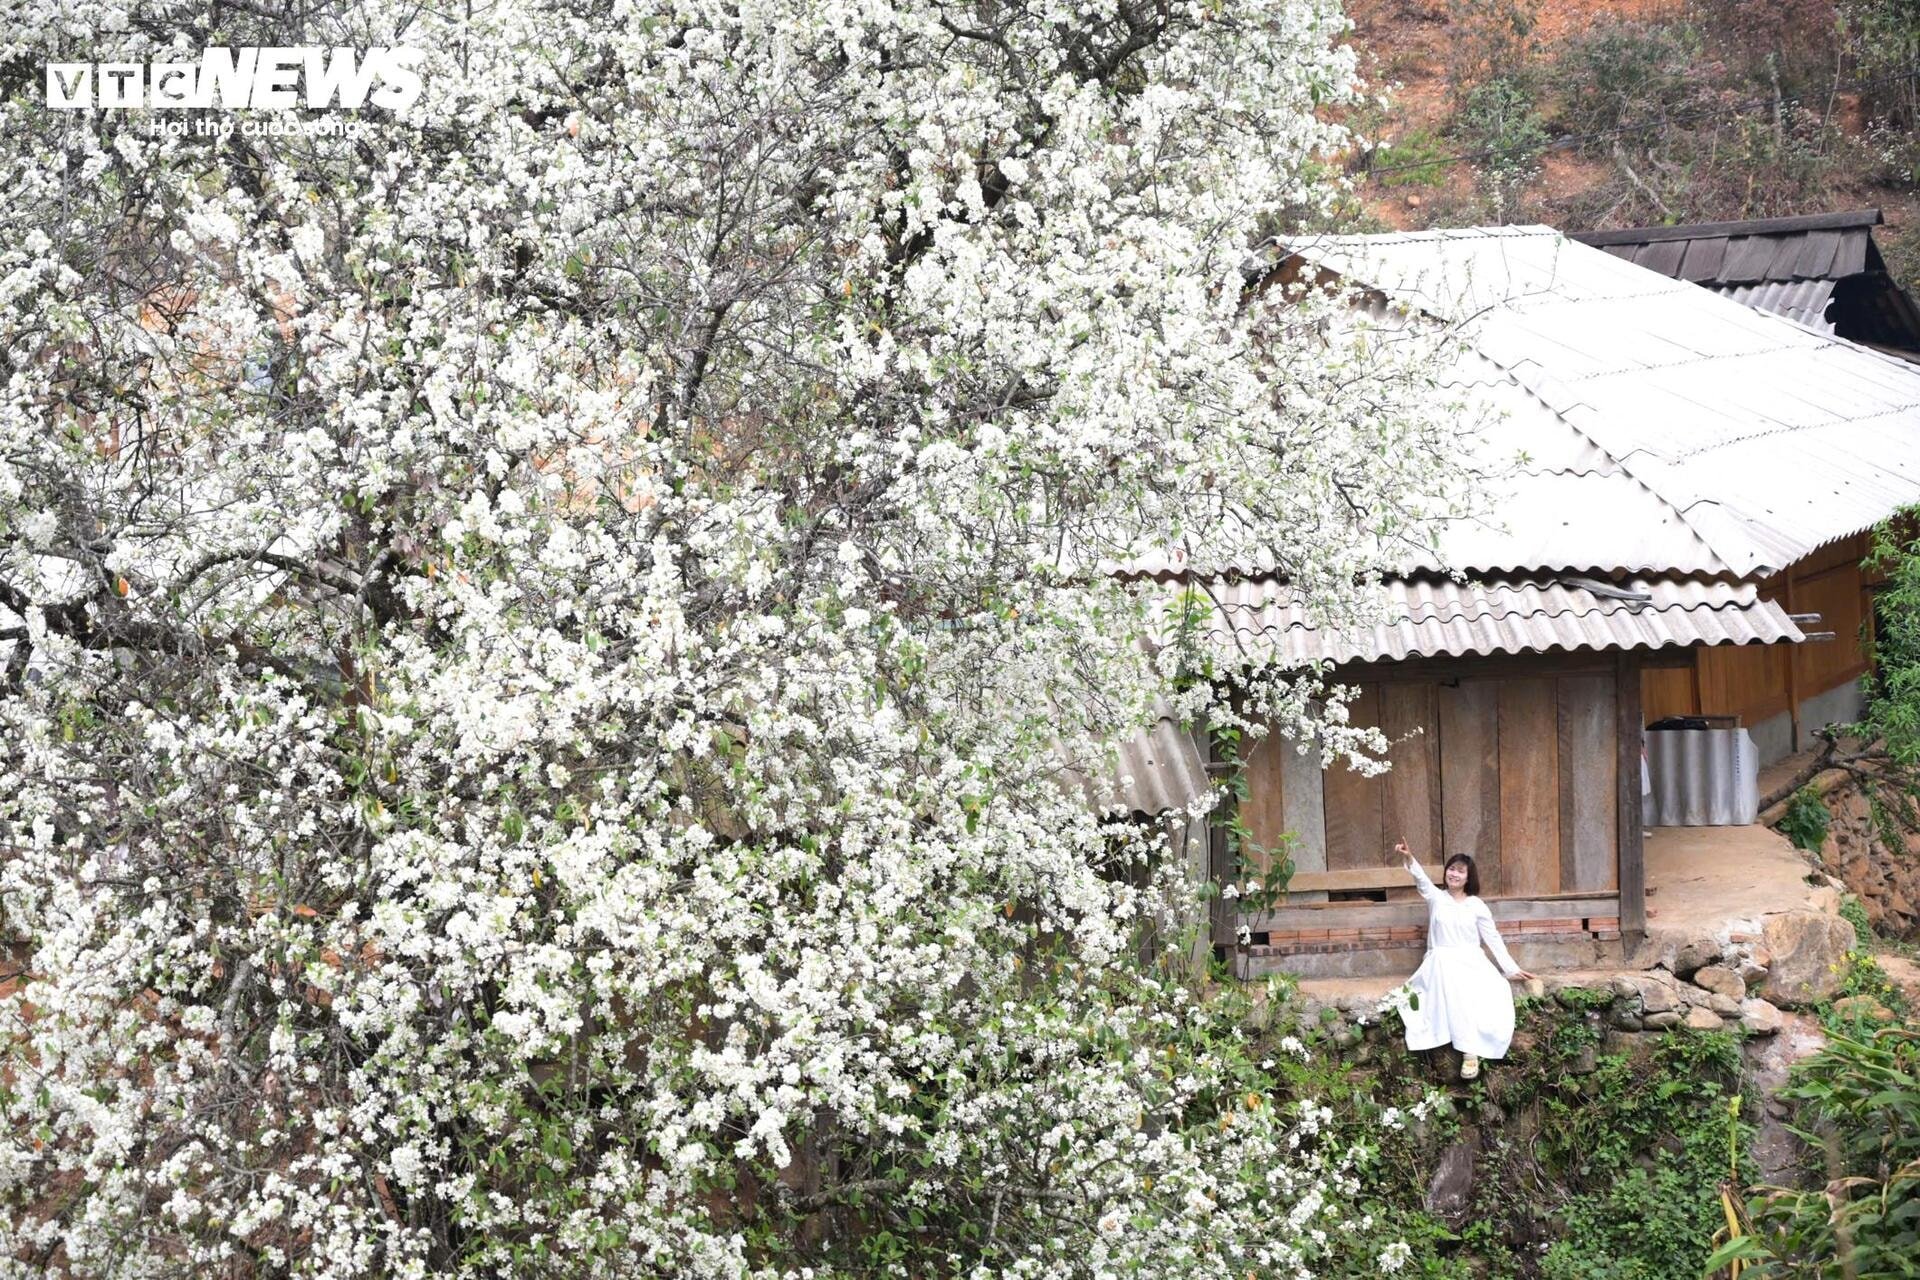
column 1797, row 959
column 1884, row 874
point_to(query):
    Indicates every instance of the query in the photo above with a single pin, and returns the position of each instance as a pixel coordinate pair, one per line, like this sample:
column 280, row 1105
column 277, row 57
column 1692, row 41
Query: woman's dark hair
column 1473, row 873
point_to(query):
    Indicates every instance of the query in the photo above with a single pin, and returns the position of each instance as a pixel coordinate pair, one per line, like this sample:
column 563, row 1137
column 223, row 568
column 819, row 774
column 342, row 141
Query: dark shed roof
column 1823, row 270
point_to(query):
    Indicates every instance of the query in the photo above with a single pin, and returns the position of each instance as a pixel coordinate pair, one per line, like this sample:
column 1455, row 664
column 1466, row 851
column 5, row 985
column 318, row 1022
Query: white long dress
column 1463, row 1000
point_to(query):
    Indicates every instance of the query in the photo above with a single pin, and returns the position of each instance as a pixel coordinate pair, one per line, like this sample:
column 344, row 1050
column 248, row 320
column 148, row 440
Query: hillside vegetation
column 1585, row 114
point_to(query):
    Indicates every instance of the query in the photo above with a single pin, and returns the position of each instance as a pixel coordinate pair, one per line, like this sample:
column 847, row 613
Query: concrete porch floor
column 1710, row 887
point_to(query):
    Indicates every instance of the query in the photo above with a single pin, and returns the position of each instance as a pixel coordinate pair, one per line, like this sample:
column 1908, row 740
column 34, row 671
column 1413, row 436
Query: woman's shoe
column 1469, row 1067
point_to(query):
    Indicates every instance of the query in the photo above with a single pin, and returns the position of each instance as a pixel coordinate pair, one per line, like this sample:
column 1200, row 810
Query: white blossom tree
column 539, row 636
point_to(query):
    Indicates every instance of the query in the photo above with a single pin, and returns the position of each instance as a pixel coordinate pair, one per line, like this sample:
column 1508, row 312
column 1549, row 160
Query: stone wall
column 1886, row 878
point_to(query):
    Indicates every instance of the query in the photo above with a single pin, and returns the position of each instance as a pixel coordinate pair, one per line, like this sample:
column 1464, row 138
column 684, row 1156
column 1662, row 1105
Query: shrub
column 1621, row 1153
column 1892, row 152
column 1490, row 40
column 1499, row 123
column 1790, row 44
column 1806, row 820
column 1861, row 975
column 1902, row 248
column 1623, row 74
column 1863, row 1098
column 1884, row 38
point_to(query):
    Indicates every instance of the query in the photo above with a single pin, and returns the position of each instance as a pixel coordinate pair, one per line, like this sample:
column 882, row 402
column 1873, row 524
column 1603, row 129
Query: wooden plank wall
column 1668, row 691
column 1410, row 793
column 1520, row 771
column 1529, row 787
column 1589, row 774
column 1355, row 835
column 1754, row 682
column 1305, row 814
column 1745, row 680
column 1838, row 596
column 1264, row 809
column 1470, row 776
column 1283, row 808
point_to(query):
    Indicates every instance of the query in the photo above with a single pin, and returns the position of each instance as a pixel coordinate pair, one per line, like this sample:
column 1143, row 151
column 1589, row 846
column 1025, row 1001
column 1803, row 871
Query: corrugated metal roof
column 1802, row 300
column 1702, row 778
column 1159, row 770
column 1715, row 438
column 1552, row 499
column 1267, row 620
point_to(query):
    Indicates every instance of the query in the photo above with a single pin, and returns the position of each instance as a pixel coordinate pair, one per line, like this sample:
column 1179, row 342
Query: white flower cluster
column 539, row 644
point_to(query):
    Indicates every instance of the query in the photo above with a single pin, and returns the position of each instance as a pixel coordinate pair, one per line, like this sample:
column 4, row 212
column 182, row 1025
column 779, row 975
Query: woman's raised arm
column 1421, row 880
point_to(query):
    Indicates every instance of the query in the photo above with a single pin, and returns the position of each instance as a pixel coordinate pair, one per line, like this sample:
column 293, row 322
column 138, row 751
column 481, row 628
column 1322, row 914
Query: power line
column 1568, row 142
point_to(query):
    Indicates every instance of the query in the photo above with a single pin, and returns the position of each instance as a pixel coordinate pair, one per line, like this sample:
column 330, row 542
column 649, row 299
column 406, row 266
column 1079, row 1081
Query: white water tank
column 1702, row 776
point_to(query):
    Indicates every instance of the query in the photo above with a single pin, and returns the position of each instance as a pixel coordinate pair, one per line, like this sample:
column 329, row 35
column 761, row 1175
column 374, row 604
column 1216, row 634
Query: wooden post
column 1633, row 863
column 1223, row 914
column 1793, row 675
column 1195, row 835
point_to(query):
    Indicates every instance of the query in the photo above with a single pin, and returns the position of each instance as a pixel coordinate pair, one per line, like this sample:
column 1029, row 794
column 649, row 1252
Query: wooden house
column 1686, row 483
column 1826, row 272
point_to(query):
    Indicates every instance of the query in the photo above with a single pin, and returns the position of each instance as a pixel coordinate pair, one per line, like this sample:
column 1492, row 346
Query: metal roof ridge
column 1797, row 224
column 1479, row 231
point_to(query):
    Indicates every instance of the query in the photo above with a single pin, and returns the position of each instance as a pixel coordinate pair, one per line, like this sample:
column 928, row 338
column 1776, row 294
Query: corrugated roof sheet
column 1433, row 618
column 1558, row 502
column 1802, row 300
column 1159, row 770
column 1787, row 271
column 1682, row 432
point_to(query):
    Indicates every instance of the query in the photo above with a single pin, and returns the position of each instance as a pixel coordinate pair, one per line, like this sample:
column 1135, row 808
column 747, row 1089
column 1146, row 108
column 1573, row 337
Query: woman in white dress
column 1462, row 1000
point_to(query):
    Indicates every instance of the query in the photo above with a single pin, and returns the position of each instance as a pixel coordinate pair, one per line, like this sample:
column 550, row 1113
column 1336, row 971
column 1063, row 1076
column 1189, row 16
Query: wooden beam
column 1632, row 842
column 1565, row 784
column 1363, row 915
column 1487, row 666
column 1496, row 666
column 1358, row 878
